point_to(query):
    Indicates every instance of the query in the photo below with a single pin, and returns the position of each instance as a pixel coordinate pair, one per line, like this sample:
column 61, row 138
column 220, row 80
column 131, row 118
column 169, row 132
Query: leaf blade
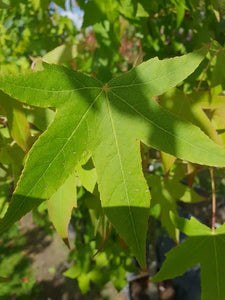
column 60, row 206
column 121, row 181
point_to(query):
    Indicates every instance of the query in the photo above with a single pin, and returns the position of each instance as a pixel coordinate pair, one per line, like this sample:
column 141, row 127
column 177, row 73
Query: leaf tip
column 67, row 243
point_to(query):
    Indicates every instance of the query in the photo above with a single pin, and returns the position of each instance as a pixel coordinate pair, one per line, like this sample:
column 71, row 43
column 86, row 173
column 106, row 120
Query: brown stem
column 213, row 199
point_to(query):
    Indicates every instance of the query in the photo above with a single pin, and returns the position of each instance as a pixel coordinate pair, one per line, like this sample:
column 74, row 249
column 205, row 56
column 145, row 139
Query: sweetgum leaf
column 109, row 121
column 202, row 246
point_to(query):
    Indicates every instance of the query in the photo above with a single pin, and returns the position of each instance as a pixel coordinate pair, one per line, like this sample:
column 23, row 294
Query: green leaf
column 87, row 175
column 60, row 3
column 202, row 246
column 218, row 118
column 61, row 54
column 98, row 11
column 165, row 192
column 4, row 4
column 60, row 206
column 40, row 117
column 128, row 8
column 58, row 56
column 167, row 161
column 17, row 121
column 141, row 12
column 218, row 75
column 11, row 155
column 208, row 101
column 180, row 8
column 81, row 269
column 187, row 108
column 109, row 121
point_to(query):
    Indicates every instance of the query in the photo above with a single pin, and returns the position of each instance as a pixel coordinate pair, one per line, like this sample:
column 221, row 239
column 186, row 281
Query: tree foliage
column 80, row 123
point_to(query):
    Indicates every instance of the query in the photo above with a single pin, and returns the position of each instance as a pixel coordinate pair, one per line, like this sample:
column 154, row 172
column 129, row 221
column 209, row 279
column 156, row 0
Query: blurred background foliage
column 104, row 38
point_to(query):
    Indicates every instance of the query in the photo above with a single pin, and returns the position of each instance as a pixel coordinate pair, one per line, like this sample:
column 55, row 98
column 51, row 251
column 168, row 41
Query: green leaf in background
column 128, row 8
column 180, row 10
column 13, row 156
column 214, row 106
column 4, row 196
column 40, row 117
column 81, row 269
column 93, row 203
column 206, row 100
column 60, row 206
column 61, row 54
column 167, row 161
column 98, row 11
column 218, row 118
column 202, row 246
column 4, row 279
column 165, row 192
column 17, row 121
column 187, row 108
column 60, row 3
column 218, row 74
column 110, row 121
column 87, row 175
column 4, row 4
column 218, row 8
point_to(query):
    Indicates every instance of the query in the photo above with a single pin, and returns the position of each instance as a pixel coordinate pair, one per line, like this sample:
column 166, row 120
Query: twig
column 206, row 68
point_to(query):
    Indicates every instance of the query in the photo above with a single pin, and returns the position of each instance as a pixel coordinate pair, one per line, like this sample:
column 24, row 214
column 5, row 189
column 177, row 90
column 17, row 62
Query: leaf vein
column 22, row 202
column 122, row 172
column 156, row 125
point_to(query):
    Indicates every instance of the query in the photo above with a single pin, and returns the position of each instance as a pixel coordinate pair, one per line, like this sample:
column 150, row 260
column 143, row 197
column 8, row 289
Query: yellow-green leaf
column 61, row 204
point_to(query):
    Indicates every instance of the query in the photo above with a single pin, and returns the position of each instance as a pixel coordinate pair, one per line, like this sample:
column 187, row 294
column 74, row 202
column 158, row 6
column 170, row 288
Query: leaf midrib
column 159, row 77
column 54, row 91
column 122, row 172
column 216, row 265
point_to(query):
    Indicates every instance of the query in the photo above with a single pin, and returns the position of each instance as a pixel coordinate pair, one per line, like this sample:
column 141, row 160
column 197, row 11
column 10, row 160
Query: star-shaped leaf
column 109, row 121
column 202, row 246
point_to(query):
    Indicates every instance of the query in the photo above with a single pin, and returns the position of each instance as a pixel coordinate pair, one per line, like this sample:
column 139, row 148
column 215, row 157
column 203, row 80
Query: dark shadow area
column 64, row 288
column 58, row 288
column 186, row 286
column 36, row 240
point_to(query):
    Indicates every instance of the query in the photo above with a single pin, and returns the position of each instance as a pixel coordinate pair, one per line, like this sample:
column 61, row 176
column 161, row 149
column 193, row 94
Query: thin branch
column 206, row 68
